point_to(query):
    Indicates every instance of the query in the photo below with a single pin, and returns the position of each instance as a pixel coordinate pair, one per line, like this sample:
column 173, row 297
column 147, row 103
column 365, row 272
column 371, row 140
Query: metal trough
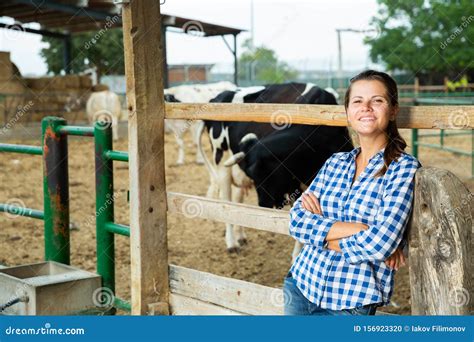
column 48, row 288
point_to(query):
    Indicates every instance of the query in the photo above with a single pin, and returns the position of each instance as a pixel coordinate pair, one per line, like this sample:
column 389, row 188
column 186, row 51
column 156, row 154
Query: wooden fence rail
column 429, row 117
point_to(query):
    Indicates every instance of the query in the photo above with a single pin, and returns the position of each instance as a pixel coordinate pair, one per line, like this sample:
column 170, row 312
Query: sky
column 302, row 32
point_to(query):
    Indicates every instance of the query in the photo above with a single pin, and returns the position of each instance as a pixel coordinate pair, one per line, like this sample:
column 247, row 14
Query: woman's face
column 369, row 110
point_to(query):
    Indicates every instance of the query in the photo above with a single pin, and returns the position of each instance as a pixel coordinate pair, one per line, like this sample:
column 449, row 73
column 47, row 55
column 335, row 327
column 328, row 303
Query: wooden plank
column 236, row 295
column 200, row 293
column 182, row 305
column 428, row 117
column 441, row 244
column 148, row 240
column 271, row 220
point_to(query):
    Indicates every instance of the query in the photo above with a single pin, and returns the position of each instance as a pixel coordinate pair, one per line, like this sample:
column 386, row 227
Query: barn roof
column 72, row 16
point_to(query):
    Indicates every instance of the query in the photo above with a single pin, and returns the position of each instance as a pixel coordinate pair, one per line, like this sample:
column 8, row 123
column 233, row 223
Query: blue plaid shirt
column 357, row 276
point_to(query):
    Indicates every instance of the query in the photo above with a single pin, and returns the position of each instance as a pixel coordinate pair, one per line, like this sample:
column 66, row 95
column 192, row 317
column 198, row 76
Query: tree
column 262, row 65
column 102, row 49
column 428, row 38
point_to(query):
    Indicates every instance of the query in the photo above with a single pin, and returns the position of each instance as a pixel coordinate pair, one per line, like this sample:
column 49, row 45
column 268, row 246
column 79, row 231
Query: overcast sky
column 302, row 32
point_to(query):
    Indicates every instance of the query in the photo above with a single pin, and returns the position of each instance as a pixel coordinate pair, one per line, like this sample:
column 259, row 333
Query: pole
column 67, row 54
column 56, row 191
column 236, row 70
column 339, row 58
column 104, row 192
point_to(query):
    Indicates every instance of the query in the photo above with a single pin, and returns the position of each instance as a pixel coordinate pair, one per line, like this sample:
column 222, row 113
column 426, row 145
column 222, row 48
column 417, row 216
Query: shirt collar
column 352, row 154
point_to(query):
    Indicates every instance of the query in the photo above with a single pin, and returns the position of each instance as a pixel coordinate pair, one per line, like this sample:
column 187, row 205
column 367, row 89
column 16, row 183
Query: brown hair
column 396, row 144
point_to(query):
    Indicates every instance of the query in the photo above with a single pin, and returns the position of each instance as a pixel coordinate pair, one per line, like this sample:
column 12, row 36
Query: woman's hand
column 334, row 245
column 311, row 203
column 396, row 260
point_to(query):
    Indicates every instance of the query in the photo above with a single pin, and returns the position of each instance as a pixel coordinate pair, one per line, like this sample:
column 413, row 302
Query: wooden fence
column 440, row 242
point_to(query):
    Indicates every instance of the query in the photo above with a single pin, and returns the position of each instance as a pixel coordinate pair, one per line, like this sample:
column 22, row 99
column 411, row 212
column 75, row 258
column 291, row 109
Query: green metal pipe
column 122, row 304
column 56, row 191
column 117, row 155
column 444, row 101
column 447, row 149
column 446, row 134
column 21, row 211
column 116, row 228
column 26, row 149
column 104, row 189
column 77, row 130
column 414, row 142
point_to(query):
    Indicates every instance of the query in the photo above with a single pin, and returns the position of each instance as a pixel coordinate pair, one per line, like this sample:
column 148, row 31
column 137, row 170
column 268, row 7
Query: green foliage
column 428, row 38
column 102, row 49
column 261, row 64
column 462, row 83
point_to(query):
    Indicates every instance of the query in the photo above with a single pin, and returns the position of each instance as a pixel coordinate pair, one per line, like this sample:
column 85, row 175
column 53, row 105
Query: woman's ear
column 394, row 113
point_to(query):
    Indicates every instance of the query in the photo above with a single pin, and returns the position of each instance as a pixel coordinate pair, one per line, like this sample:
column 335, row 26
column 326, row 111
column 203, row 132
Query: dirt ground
column 193, row 243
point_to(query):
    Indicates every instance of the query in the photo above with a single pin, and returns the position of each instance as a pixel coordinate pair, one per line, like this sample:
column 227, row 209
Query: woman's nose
column 365, row 105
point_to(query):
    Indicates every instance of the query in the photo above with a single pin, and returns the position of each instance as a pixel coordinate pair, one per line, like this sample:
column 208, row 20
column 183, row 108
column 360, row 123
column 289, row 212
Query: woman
column 352, row 218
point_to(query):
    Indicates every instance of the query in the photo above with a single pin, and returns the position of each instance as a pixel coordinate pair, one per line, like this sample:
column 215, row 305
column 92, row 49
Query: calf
column 104, row 105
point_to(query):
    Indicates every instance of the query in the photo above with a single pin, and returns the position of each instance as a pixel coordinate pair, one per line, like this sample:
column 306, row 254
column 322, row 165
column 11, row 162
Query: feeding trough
column 49, row 288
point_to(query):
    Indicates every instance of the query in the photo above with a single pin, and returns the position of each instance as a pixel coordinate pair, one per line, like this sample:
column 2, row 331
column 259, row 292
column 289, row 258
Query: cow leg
column 180, row 142
column 213, row 190
column 238, row 197
column 115, row 135
column 296, row 250
column 225, row 193
column 197, row 128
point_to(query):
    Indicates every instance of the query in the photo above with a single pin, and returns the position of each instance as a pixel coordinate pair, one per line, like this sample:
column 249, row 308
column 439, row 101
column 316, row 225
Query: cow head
column 266, row 170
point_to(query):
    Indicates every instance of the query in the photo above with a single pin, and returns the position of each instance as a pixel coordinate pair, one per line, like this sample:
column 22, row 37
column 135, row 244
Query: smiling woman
column 352, row 218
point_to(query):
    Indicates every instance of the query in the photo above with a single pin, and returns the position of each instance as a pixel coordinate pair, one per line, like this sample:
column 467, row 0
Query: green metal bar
column 441, row 95
column 77, row 130
column 26, row 149
column 447, row 149
column 122, row 304
column 414, row 142
column 116, row 228
column 443, row 101
column 104, row 188
column 117, row 155
column 446, row 134
column 441, row 137
column 21, row 211
column 56, row 191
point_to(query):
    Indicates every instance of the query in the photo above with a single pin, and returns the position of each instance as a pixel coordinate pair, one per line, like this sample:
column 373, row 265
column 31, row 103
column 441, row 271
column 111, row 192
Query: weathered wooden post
column 441, row 245
column 148, row 230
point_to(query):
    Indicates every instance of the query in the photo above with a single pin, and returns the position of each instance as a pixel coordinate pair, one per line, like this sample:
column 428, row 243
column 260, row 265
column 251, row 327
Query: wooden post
column 440, row 245
column 445, row 83
column 148, row 239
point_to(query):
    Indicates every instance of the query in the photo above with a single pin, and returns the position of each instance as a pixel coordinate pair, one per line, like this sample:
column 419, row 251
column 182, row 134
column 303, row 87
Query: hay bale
column 6, row 68
column 12, row 87
column 72, row 81
column 86, row 82
column 100, row 87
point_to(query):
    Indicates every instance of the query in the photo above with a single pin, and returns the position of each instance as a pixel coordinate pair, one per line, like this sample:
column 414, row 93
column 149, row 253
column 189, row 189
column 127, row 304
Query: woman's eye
column 356, row 101
column 379, row 100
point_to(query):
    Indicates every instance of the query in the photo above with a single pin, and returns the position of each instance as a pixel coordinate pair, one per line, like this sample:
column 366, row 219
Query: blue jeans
column 297, row 304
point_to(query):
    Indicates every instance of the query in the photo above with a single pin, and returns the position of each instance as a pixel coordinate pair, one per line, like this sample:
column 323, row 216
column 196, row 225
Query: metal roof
column 72, row 16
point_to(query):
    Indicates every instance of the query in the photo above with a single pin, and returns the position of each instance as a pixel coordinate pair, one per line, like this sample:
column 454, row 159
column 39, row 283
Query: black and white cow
column 279, row 160
column 191, row 93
